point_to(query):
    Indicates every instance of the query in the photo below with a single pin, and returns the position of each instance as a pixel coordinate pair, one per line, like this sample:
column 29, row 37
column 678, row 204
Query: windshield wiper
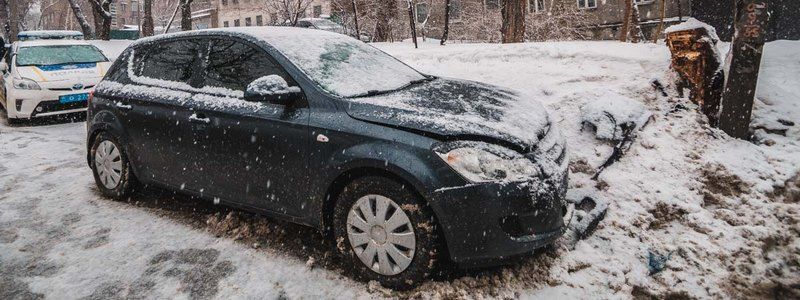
column 371, row 93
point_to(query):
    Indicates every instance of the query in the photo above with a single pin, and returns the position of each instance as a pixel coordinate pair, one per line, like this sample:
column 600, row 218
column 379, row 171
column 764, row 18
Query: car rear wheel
column 386, row 233
column 111, row 168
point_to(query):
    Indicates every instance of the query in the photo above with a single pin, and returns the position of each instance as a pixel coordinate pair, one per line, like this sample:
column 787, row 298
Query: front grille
column 51, row 106
column 67, row 89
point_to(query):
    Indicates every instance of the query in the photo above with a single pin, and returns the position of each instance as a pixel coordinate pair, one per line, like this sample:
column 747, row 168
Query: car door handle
column 124, row 106
column 199, row 118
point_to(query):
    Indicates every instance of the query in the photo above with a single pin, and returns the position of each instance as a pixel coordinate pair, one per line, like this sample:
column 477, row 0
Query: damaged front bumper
column 488, row 224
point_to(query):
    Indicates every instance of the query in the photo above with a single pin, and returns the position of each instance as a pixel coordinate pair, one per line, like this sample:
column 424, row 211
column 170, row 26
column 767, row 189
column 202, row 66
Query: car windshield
column 345, row 66
column 58, row 55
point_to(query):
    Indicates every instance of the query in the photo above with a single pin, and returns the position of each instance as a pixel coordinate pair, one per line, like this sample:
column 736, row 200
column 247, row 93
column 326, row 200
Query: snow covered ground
column 723, row 212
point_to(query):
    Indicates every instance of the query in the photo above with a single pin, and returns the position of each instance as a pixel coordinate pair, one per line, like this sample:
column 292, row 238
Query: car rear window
column 58, row 55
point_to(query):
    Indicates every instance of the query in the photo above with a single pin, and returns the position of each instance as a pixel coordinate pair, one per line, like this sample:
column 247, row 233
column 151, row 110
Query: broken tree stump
column 698, row 63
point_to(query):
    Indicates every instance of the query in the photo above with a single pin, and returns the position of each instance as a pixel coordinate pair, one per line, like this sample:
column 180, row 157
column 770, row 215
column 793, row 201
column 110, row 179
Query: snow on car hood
column 63, row 72
column 451, row 107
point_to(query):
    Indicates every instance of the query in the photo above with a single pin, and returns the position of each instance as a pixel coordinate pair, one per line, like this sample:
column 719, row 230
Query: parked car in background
column 321, row 24
column 404, row 170
column 49, row 77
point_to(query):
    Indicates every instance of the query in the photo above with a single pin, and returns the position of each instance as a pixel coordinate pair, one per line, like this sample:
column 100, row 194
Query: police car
column 49, row 77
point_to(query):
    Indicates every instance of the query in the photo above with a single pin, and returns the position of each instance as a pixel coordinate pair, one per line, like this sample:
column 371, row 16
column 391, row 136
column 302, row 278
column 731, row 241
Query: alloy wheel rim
column 381, row 234
column 108, row 163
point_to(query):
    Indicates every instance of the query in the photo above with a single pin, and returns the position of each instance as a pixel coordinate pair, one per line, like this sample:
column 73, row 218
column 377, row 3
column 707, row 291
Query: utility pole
column 750, row 18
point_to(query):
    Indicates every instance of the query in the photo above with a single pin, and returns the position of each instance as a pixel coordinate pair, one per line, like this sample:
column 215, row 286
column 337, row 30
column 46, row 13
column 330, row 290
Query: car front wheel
column 111, row 168
column 386, row 233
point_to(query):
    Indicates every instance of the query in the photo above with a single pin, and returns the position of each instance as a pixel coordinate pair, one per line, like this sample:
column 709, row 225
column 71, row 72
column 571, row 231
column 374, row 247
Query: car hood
column 460, row 109
column 63, row 72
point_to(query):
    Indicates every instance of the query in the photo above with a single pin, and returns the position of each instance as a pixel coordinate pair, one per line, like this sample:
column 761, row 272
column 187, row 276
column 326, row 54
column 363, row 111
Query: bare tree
column 560, row 21
column 513, row 27
column 289, row 10
column 355, row 18
column 186, row 15
column 636, row 28
column 147, row 28
column 626, row 21
column 446, row 22
column 5, row 20
column 663, row 10
column 86, row 28
column 101, row 9
column 412, row 22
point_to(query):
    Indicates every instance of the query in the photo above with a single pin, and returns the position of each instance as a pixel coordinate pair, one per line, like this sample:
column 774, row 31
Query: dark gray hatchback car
column 402, row 169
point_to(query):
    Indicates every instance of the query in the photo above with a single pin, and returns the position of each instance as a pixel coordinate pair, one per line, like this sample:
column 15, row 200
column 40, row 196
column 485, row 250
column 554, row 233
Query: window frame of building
column 259, row 20
column 536, row 6
column 316, row 11
column 417, row 13
column 225, row 24
column 248, row 21
column 237, row 23
column 587, row 4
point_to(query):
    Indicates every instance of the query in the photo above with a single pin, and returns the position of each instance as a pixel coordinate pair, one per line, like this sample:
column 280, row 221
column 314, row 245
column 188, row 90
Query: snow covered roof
column 690, row 24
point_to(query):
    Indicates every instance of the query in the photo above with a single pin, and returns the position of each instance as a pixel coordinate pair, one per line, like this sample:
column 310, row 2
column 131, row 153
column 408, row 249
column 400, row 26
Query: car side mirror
column 271, row 89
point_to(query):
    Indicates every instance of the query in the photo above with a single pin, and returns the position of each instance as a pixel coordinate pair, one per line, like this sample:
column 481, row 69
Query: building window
column 134, row 6
column 455, row 10
column 587, row 3
column 317, row 11
column 536, row 6
column 224, row 2
column 491, row 4
column 122, row 21
column 225, row 24
column 122, row 6
column 236, row 23
column 259, row 20
column 422, row 12
column 248, row 21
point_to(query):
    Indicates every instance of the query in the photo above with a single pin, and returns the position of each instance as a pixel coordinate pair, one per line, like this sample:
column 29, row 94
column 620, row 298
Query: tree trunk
column 355, row 19
column 6, row 23
column 413, row 23
column 446, row 22
column 147, row 23
column 513, row 27
column 186, row 15
column 384, row 13
column 85, row 27
column 12, row 20
column 636, row 28
column 172, row 19
column 626, row 21
column 663, row 9
column 102, row 18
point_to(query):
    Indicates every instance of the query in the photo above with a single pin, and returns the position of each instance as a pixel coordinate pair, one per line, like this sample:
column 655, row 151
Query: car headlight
column 25, row 84
column 483, row 162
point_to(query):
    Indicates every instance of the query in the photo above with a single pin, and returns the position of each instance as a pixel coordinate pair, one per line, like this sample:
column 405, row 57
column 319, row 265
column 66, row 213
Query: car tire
column 111, row 167
column 415, row 265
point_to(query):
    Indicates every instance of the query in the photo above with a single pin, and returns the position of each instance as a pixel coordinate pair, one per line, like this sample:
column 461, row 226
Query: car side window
column 178, row 61
column 233, row 65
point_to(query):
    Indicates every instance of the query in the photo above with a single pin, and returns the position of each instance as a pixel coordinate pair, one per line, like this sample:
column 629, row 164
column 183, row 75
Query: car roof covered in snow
column 263, row 33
